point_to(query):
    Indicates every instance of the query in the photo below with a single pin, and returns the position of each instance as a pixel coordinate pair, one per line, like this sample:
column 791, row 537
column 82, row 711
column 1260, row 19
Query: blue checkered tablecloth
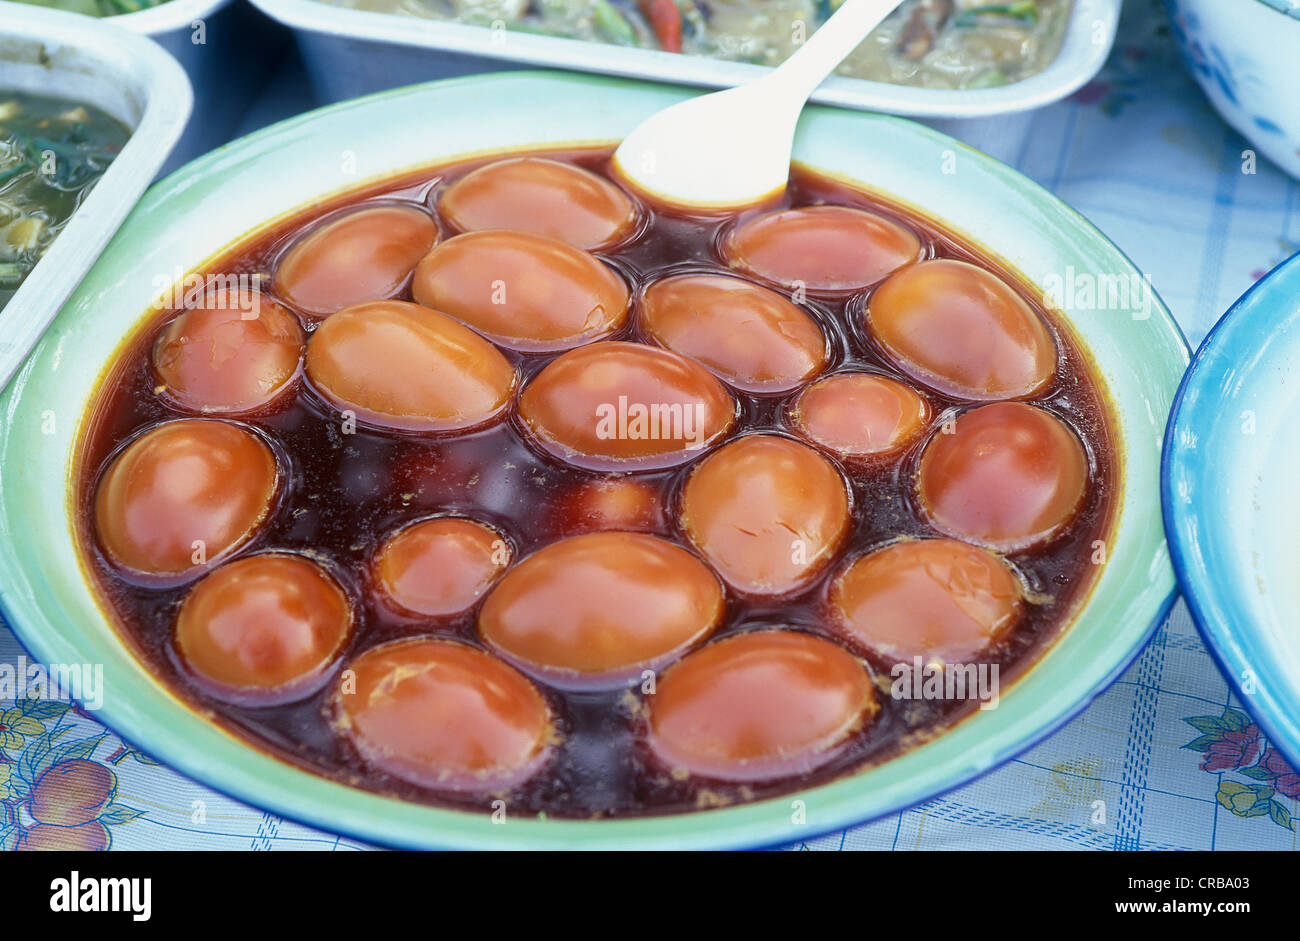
column 1164, row 759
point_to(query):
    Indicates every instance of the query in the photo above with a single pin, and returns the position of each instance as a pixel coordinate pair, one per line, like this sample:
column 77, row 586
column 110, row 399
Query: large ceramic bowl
column 204, row 207
column 1243, row 53
column 1232, row 509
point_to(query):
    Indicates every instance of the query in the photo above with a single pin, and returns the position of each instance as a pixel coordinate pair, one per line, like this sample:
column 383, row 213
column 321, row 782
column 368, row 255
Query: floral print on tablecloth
column 58, row 786
column 1232, row 743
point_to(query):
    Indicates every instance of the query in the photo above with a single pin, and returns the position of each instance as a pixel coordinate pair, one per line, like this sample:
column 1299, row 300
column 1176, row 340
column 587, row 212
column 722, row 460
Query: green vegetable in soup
column 1025, row 11
column 613, row 25
column 97, row 7
column 51, row 153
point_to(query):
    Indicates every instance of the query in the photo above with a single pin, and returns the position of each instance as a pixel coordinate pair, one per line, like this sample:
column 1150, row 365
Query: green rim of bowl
column 188, row 216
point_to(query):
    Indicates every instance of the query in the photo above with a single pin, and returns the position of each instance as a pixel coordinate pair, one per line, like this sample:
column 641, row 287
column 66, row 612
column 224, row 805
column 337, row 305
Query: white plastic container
column 129, row 77
column 353, row 52
column 228, row 51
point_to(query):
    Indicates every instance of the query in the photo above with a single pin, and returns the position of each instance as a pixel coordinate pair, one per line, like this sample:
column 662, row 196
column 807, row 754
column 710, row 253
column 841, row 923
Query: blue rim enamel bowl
column 1231, row 501
column 196, row 213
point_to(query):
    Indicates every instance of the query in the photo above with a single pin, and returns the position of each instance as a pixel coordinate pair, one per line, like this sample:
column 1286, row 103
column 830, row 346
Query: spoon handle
column 826, row 48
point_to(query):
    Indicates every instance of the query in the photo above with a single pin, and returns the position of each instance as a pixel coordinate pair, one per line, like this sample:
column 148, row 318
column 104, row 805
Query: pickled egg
column 182, row 495
column 525, row 292
column 443, row 715
column 232, row 353
column 545, row 197
column 1009, row 475
column 821, row 248
column 440, row 567
column 766, row 512
column 963, row 331
column 937, row 599
column 262, row 630
column 405, row 367
column 759, row 705
column 598, row 608
column 611, row 503
column 361, row 255
column 860, row 415
column 749, row 336
column 623, row 406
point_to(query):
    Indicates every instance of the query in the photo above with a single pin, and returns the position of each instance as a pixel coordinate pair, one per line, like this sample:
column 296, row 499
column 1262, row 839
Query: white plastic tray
column 49, row 52
column 353, row 52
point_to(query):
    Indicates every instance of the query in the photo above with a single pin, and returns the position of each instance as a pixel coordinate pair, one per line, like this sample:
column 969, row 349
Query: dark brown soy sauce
column 346, row 493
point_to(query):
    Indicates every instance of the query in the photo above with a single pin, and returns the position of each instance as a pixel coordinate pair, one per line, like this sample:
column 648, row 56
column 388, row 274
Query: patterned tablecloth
column 1164, row 759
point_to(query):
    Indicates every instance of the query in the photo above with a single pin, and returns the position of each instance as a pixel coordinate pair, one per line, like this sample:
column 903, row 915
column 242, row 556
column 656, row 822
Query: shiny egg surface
column 230, row 353
column 445, row 716
column 748, row 336
column 360, row 255
column 593, row 609
column 821, row 248
column 183, row 494
column 625, row 406
column 523, row 291
column 408, row 368
column 759, row 704
column 264, row 628
column 545, row 197
column 963, row 331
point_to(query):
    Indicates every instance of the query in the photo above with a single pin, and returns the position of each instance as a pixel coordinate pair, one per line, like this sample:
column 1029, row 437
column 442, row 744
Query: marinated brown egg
column 263, row 630
column 860, row 416
column 758, row 705
column 821, row 248
column 525, row 292
column 182, row 495
column 440, row 567
column 443, row 715
column 963, row 331
column 611, row 503
column 596, row 609
column 766, row 512
column 625, row 406
column 545, row 197
column 362, row 255
column 749, row 336
column 233, row 353
column 1009, row 476
column 405, row 367
column 937, row 599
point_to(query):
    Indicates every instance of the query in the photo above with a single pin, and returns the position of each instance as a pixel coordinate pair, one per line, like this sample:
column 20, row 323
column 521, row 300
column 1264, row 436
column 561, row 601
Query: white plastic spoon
column 732, row 148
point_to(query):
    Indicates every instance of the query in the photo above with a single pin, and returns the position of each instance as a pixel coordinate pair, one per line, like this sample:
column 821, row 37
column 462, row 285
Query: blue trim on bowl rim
column 1205, row 596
